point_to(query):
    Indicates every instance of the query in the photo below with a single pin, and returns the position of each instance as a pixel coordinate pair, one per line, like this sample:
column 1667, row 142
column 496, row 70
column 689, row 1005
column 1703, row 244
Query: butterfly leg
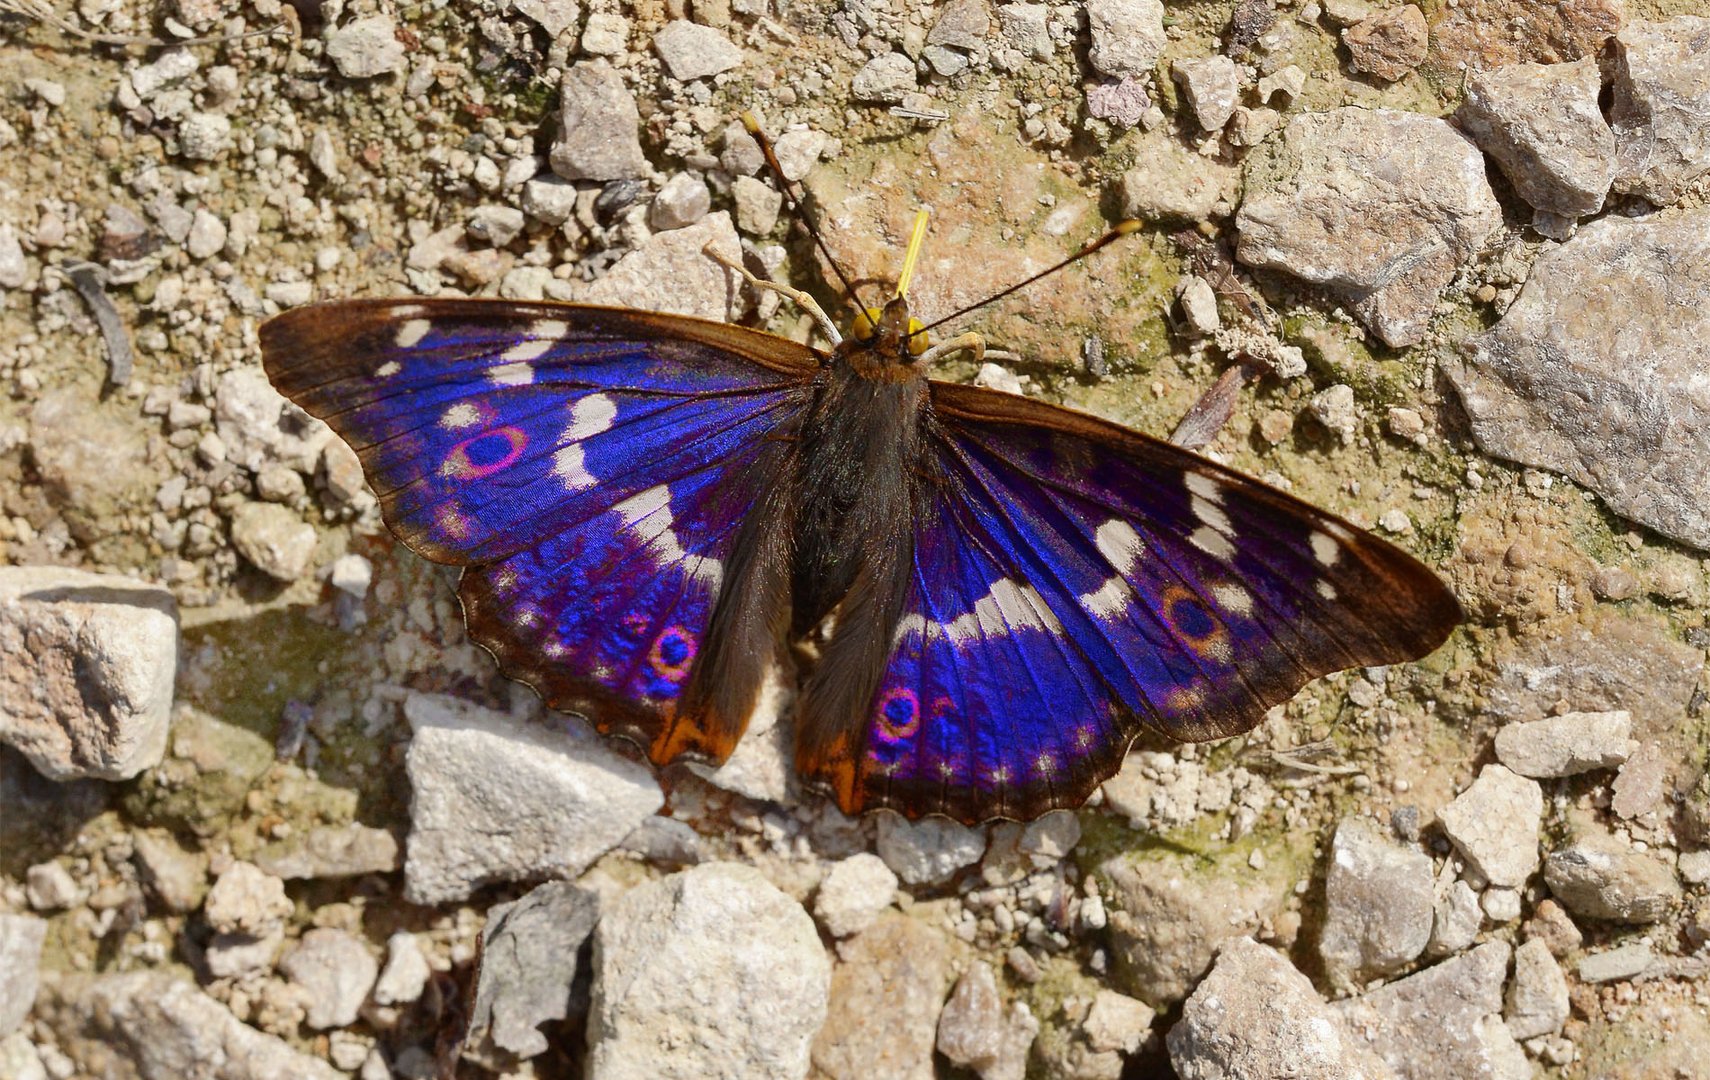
column 801, row 299
column 969, row 343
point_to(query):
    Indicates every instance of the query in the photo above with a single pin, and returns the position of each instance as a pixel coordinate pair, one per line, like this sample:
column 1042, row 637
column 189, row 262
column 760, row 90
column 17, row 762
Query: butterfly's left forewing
column 1074, row 581
column 589, row 467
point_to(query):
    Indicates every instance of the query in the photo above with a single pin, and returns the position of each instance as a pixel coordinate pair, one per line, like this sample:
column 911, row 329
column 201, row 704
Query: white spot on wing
column 1326, row 590
column 1007, row 607
column 1119, row 544
column 459, row 416
column 1209, row 513
column 1109, row 599
column 543, row 335
column 1205, row 487
column 411, row 332
column 388, row 369
column 590, row 416
column 648, row 515
column 569, row 466
column 1324, row 549
column 1010, row 605
column 1121, row 547
column 1213, row 543
column 1232, row 597
column 512, row 374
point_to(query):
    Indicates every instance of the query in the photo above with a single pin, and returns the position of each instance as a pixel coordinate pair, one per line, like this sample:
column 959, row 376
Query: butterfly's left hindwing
column 589, row 467
column 1074, row 581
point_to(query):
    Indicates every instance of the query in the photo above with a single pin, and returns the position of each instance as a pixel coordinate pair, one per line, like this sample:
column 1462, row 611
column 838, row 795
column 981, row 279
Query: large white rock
column 1662, row 91
column 712, row 972
column 494, row 799
column 152, row 1026
column 86, row 670
column 1255, row 1015
column 1494, row 824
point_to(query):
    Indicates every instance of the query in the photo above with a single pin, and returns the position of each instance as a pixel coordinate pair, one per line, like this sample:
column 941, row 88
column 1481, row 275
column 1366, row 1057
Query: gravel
column 265, row 819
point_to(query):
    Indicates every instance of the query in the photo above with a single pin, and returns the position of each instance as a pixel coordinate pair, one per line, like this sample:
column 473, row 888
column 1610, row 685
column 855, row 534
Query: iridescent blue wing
column 590, row 468
column 1075, row 581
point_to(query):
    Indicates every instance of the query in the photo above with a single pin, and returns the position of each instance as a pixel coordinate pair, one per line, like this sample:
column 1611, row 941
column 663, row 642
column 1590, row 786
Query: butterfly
column 649, row 509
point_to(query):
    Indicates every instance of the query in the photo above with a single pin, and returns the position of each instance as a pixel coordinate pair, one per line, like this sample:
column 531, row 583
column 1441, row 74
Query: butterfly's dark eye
column 673, row 653
column 899, row 713
column 1199, row 628
column 485, row 454
column 1192, row 619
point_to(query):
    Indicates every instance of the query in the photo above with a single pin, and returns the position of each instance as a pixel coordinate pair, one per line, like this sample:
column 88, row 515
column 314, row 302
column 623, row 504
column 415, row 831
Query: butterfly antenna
column 1123, row 228
column 752, row 123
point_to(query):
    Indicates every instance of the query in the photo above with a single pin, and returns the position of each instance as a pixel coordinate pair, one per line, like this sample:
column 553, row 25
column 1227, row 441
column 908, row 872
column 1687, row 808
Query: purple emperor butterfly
column 650, row 509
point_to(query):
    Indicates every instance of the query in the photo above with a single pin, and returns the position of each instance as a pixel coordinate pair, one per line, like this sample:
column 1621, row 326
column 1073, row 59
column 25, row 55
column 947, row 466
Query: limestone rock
column 1595, row 371
column 1212, row 87
column 692, row 51
column 1170, row 182
column 366, row 48
column 886, row 993
column 21, row 938
column 531, row 952
column 853, row 893
column 1127, row 36
column 1379, row 207
column 670, row 273
column 1537, row 1002
column 1378, row 903
column 1662, row 93
column 1255, row 1015
column 708, row 972
column 493, row 799
column 274, row 539
column 1170, row 913
column 87, row 663
column 1494, row 824
column 1600, row 877
column 885, row 78
column 598, row 126
column 336, row 972
column 151, row 1026
column 930, row 850
column 976, row 1032
column 1543, row 126
column 1443, row 1023
column 1390, row 43
column 1567, row 744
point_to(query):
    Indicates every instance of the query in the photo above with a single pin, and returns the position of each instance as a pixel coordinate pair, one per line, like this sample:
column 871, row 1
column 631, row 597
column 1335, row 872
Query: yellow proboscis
column 916, row 241
column 868, row 319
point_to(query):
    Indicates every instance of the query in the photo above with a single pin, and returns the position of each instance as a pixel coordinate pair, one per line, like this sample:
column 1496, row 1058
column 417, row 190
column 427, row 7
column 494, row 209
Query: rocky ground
column 262, row 805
